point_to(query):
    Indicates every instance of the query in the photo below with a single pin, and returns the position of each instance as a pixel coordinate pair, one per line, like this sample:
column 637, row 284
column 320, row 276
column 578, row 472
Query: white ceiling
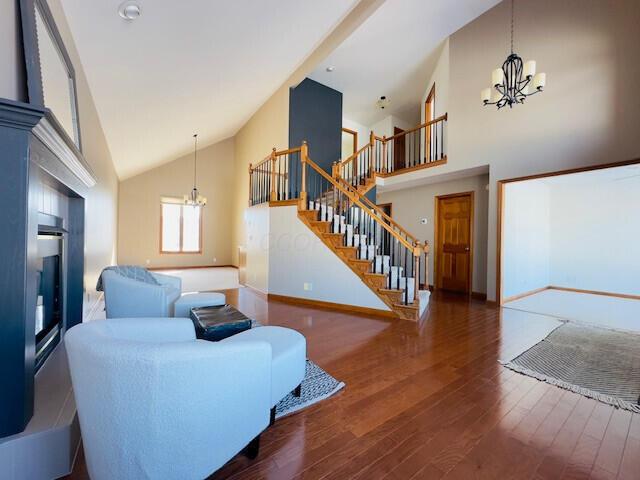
column 394, row 53
column 189, row 66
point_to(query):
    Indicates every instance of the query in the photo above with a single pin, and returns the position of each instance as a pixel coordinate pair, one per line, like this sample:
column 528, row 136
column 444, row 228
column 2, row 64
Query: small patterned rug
column 316, row 386
column 595, row 362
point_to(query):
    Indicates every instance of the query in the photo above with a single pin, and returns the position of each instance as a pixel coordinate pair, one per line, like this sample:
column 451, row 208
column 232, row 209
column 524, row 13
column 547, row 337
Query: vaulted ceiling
column 189, row 66
column 393, row 53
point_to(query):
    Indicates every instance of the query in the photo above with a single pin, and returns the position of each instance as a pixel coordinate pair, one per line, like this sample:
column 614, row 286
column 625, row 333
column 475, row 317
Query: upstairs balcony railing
column 418, row 147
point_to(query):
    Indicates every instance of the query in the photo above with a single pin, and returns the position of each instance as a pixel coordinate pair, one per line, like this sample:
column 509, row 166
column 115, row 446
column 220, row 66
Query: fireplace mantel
column 53, row 136
column 37, row 414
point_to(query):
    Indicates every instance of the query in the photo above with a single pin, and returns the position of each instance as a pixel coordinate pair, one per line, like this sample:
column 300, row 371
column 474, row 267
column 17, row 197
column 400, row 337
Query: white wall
column 573, row 234
column 590, row 110
column 283, row 255
column 439, row 78
column 297, row 256
column 363, row 130
column 257, row 241
column 410, row 205
column 526, row 240
column 139, row 208
column 596, row 236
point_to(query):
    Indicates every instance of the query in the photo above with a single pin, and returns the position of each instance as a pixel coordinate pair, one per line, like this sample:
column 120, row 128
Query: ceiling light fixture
column 330, row 69
column 194, row 198
column 383, row 102
column 511, row 82
column 129, row 10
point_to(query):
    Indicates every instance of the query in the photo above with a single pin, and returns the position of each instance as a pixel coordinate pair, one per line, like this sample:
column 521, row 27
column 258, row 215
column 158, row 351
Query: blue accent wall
column 315, row 115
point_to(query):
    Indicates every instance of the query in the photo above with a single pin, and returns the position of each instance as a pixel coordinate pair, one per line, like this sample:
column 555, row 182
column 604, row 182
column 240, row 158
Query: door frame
column 354, row 134
column 471, row 195
column 431, row 99
column 501, row 203
column 388, row 204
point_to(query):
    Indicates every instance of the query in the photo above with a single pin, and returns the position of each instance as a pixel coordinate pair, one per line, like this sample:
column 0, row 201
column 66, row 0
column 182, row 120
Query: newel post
column 426, row 264
column 250, row 183
column 384, row 153
column 335, row 170
column 304, row 155
column 417, row 253
column 274, row 194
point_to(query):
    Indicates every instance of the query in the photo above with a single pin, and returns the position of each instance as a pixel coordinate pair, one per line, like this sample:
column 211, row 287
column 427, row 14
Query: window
column 180, row 228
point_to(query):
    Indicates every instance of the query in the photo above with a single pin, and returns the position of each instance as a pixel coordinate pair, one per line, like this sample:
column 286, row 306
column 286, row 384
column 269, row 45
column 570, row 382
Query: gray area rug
column 594, row 362
column 316, row 386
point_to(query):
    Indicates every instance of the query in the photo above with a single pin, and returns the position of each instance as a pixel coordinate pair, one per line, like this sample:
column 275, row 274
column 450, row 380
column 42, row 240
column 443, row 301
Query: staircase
column 389, row 260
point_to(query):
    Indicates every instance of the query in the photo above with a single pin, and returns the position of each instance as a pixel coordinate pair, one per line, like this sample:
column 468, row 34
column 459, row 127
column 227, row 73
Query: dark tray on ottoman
column 218, row 323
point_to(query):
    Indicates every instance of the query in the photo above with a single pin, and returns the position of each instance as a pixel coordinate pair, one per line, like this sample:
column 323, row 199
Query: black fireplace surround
column 41, row 259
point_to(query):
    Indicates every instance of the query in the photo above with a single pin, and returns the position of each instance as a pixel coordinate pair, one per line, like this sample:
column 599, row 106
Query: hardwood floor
column 433, row 402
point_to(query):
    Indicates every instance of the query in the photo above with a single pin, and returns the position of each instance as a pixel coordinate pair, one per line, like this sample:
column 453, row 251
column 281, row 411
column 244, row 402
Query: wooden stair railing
column 388, row 259
column 381, row 213
column 277, row 177
column 422, row 146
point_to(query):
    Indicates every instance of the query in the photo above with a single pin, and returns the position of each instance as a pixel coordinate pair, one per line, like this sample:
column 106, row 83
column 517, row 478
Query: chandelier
column 194, row 198
column 512, row 82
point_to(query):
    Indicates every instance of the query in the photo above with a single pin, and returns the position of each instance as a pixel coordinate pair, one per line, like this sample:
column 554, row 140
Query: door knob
column 466, row 249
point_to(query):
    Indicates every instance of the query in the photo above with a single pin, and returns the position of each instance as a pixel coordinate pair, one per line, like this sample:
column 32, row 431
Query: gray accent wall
column 315, row 115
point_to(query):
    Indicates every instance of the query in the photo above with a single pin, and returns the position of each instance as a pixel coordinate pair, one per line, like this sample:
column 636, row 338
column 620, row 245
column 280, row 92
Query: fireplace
column 49, row 313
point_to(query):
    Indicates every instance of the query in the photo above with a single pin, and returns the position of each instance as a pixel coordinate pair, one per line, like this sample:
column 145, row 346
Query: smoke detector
column 382, row 102
column 129, row 10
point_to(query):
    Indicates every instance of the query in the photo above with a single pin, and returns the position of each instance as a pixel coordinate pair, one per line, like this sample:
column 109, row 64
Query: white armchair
column 154, row 402
column 126, row 297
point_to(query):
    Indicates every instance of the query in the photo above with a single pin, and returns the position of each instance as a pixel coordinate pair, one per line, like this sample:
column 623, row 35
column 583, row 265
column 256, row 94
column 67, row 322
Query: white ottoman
column 289, row 358
column 187, row 301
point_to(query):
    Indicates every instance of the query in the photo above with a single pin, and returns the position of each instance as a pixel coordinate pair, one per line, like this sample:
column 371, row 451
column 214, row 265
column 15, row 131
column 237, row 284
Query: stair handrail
column 382, row 213
column 355, row 154
column 355, row 197
column 441, row 118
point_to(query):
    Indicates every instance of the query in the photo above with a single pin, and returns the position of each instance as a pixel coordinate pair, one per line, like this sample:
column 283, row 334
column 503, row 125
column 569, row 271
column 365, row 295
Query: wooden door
column 398, row 149
column 454, row 242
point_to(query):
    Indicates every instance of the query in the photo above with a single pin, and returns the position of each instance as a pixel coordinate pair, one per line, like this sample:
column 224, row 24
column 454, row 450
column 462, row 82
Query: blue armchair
column 154, row 402
column 126, row 297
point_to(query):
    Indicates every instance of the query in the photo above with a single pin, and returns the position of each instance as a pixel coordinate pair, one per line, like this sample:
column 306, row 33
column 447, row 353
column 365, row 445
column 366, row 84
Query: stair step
column 411, row 306
column 321, row 226
column 336, row 239
column 361, row 265
column 347, row 252
column 310, row 215
column 378, row 280
column 394, row 295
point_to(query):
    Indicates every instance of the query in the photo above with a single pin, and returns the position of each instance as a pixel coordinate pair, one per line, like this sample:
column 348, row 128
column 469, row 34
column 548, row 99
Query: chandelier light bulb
column 496, row 77
column 539, row 81
column 485, row 94
column 529, row 69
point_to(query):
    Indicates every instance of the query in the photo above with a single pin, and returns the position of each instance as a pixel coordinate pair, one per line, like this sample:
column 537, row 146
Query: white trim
column 47, row 133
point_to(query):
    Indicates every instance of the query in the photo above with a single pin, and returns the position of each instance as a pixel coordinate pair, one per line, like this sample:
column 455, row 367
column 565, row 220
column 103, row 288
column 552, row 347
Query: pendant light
column 511, row 83
column 194, row 199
